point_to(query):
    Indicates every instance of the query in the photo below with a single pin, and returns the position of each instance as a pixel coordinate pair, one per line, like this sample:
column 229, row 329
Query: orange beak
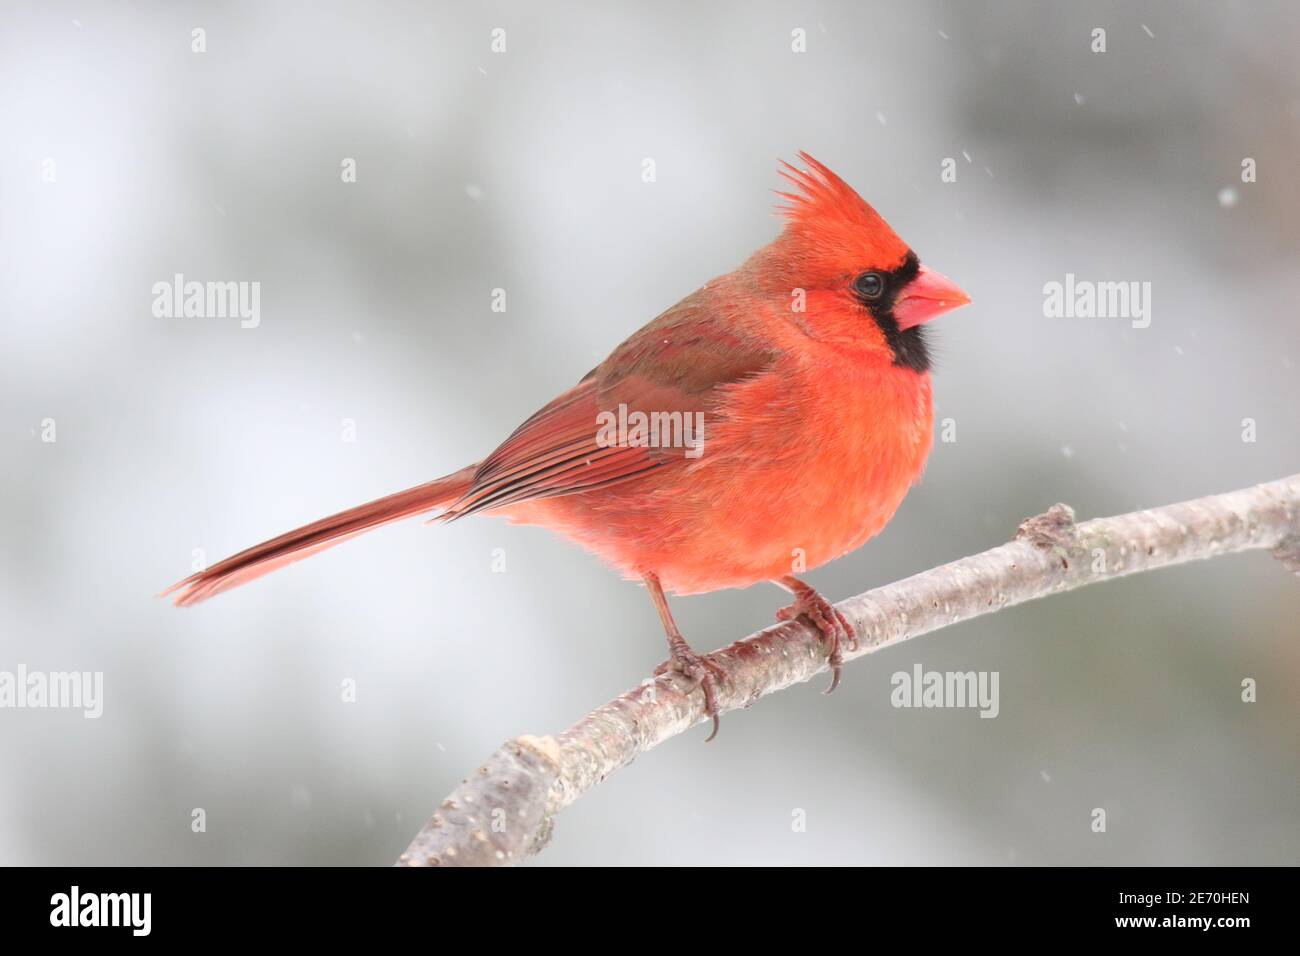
column 926, row 297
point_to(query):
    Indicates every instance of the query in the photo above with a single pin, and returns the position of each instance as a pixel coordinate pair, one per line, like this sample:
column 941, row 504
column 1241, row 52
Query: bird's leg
column 834, row 627
column 684, row 660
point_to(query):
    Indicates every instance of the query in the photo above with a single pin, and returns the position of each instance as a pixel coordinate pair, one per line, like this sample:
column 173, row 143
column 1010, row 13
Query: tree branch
column 505, row 810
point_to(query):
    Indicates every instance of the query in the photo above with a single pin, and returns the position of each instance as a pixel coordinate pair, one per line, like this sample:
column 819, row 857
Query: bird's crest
column 828, row 216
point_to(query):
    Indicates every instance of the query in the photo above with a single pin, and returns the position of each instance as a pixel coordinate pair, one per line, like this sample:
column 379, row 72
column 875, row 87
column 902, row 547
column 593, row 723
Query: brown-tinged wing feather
column 676, row 364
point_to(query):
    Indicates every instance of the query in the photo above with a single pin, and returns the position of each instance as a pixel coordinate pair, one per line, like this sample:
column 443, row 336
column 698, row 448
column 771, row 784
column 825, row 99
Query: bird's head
column 859, row 284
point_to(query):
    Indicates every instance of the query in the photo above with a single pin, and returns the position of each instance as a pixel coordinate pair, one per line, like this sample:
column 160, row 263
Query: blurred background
column 522, row 170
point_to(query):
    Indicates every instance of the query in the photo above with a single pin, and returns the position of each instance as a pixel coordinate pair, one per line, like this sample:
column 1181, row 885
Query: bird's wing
column 681, row 363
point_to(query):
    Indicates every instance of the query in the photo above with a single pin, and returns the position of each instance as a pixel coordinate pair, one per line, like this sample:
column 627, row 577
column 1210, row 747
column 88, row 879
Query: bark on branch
column 505, row 810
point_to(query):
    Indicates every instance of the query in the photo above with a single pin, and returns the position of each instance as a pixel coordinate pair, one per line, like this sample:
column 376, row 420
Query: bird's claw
column 831, row 624
column 703, row 671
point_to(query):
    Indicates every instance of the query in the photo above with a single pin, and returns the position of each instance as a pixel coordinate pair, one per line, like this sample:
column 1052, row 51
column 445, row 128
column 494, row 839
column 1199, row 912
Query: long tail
column 295, row 545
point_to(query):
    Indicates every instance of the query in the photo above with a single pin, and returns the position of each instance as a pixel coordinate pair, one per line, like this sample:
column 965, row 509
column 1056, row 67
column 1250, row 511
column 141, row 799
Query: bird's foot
column 834, row 627
column 702, row 671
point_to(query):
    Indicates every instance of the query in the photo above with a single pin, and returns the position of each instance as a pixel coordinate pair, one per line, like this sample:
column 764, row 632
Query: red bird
column 771, row 421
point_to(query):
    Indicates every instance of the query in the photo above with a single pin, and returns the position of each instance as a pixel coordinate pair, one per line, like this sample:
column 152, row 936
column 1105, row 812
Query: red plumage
column 813, row 392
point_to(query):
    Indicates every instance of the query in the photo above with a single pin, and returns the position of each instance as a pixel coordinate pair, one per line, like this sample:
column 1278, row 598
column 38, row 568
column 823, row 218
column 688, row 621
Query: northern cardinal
column 795, row 392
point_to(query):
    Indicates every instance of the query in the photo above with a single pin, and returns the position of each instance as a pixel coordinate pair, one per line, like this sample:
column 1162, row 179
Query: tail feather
column 295, row 545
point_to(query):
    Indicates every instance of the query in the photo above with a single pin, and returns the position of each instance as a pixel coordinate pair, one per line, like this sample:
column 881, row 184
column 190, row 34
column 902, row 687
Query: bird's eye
column 870, row 285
